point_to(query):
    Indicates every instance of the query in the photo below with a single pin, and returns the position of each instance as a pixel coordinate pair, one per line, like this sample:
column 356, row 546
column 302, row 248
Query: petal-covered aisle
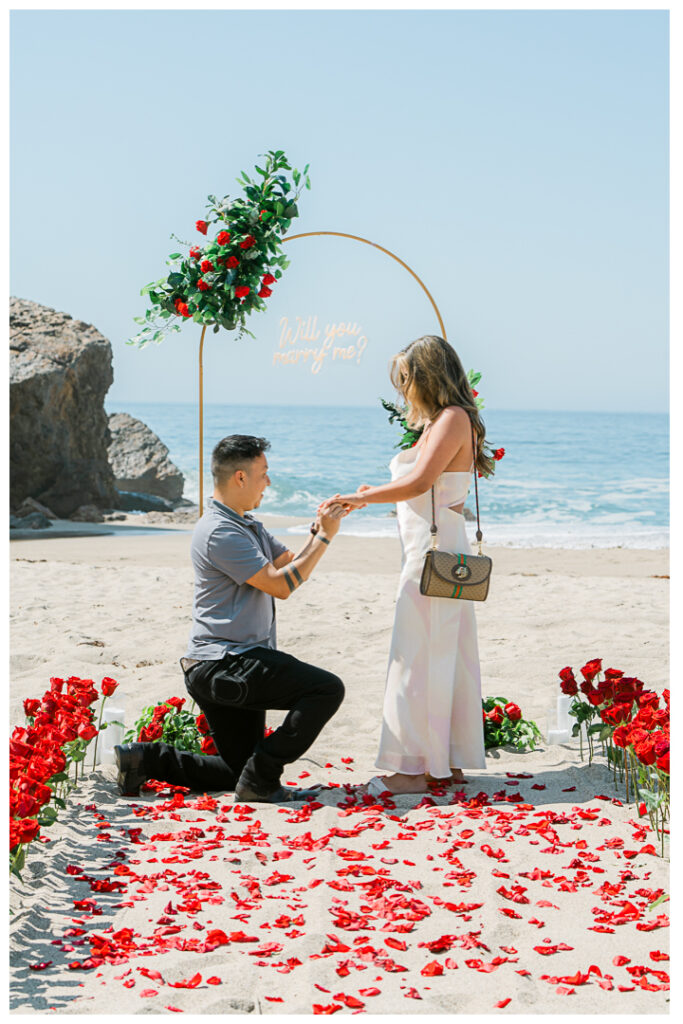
column 528, row 890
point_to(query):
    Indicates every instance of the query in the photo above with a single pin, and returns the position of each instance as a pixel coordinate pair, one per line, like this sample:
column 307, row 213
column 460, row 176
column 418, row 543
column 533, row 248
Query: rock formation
column 60, row 371
column 140, row 460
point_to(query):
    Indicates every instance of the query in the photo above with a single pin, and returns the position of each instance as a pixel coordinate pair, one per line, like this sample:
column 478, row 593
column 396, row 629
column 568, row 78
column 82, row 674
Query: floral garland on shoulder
column 411, row 435
column 220, row 282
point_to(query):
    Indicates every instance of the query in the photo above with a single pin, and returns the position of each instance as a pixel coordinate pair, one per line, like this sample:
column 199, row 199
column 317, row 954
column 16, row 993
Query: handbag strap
column 479, row 534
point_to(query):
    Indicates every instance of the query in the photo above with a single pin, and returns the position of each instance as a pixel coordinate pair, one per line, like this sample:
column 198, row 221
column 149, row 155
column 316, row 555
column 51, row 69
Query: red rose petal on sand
column 147, row 993
column 48, row 963
column 654, row 955
column 332, row 1008
column 176, row 1009
column 396, row 944
column 192, row 982
column 370, row 992
column 214, row 981
column 432, row 969
column 274, row 999
column 412, row 993
column 502, row 1003
column 619, row 961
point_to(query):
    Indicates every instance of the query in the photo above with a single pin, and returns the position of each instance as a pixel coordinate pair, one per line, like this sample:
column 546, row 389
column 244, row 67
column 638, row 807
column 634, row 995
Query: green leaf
column 664, row 898
column 175, row 256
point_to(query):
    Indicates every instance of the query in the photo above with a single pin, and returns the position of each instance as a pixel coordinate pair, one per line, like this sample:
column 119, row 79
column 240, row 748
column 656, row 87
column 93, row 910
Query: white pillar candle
column 111, row 736
column 564, row 702
column 558, row 736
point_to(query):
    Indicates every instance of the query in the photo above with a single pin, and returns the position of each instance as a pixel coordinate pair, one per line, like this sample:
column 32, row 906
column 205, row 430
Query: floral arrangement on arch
column 230, row 274
column 411, row 435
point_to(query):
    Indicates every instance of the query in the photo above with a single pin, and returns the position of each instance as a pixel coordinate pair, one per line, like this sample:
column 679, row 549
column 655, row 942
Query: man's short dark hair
column 235, row 452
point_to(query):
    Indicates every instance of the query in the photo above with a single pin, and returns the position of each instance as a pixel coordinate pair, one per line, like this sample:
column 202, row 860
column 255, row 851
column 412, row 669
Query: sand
column 119, row 605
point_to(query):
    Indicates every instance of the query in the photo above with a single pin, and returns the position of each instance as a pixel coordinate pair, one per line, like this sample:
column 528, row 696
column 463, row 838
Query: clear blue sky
column 517, row 160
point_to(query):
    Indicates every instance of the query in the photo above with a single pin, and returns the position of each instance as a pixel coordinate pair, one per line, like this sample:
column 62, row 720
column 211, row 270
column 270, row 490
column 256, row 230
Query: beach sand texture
column 385, row 881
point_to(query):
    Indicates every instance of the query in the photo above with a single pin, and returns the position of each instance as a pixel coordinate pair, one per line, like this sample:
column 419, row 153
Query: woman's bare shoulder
column 453, row 417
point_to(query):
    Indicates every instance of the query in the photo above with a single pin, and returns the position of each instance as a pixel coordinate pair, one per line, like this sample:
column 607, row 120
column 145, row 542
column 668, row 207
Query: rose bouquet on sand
column 505, row 726
column 167, row 722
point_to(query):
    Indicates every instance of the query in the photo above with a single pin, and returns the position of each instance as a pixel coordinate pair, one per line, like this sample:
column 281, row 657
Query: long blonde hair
column 429, row 376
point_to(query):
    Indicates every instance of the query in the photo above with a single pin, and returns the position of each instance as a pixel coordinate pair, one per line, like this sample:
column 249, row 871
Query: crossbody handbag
column 445, row 574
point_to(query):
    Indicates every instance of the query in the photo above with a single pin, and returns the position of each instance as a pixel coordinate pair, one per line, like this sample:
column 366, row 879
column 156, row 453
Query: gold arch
column 291, row 238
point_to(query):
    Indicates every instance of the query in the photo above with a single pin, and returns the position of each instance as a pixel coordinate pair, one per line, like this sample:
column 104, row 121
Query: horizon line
column 279, row 405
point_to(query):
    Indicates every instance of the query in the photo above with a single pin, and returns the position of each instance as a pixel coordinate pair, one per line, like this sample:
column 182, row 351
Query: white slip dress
column 432, row 718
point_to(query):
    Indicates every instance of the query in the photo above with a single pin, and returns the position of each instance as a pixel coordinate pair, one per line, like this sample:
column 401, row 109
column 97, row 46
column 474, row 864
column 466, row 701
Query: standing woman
column 432, row 720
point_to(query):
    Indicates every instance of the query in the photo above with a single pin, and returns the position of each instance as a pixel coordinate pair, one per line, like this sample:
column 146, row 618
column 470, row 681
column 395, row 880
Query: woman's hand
column 349, row 501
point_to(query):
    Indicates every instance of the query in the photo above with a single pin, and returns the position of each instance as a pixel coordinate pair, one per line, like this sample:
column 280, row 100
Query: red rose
column 241, row 291
column 208, row 746
column 591, row 669
column 87, row 731
column 569, row 686
column 108, row 686
column 203, row 286
column 31, row 707
column 475, row 393
column 513, row 711
column 223, row 237
column 268, row 279
column 151, row 732
column 160, row 712
column 25, row 805
column 613, row 673
column 647, row 699
column 566, row 674
column 201, row 225
column 176, row 702
column 495, row 715
column 645, row 752
column 206, row 266
column 661, row 745
column 195, row 252
column 232, row 262
column 615, row 714
column 498, row 454
column 28, row 830
column 265, row 292
column 202, row 724
column 248, row 242
column 56, row 684
column 663, row 763
column 595, row 698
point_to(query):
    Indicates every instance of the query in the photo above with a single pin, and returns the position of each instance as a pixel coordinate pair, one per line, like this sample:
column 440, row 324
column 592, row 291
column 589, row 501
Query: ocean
column 568, row 479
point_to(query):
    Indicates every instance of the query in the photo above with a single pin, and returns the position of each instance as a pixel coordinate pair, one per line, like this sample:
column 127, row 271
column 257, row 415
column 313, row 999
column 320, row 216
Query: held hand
column 328, row 519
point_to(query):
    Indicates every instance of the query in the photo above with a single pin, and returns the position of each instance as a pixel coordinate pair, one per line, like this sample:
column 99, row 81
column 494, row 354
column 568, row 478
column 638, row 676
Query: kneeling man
column 232, row 667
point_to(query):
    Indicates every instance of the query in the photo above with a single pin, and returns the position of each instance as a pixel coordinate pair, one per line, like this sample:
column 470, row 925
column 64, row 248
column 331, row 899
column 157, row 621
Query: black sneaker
column 281, row 795
column 130, row 758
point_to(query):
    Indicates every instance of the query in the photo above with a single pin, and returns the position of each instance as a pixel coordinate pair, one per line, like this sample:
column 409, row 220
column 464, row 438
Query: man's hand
column 329, row 517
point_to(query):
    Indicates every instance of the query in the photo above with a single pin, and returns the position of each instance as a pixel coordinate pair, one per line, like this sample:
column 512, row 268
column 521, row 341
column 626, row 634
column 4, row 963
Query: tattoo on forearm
column 294, row 578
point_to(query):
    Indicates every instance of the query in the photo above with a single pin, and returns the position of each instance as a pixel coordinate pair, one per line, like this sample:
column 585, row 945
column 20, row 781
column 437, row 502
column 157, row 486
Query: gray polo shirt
column 229, row 616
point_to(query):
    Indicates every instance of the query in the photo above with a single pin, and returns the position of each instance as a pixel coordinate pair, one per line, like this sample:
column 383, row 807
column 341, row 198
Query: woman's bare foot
column 399, row 784
column 455, row 776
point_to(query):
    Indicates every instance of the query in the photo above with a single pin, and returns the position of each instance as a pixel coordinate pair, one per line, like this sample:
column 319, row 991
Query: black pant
column 234, row 694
